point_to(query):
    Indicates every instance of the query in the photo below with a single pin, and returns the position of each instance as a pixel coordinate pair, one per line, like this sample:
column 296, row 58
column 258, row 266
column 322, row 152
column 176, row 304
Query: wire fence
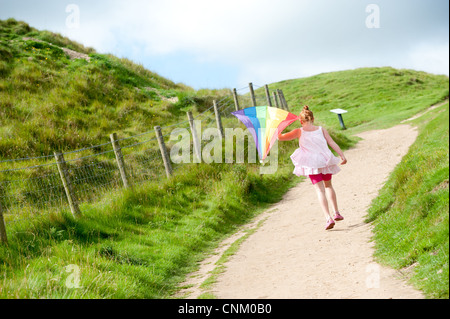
column 29, row 187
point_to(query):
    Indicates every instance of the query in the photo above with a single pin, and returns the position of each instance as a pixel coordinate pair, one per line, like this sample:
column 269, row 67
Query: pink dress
column 313, row 156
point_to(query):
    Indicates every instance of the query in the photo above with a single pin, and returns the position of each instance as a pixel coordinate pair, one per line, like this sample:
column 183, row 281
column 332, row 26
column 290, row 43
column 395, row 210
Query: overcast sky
column 229, row 43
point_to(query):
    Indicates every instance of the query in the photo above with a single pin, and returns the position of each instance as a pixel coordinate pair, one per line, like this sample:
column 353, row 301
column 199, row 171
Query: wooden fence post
column 284, row 101
column 266, row 87
column 252, row 93
column 65, row 178
column 3, row 237
column 119, row 159
column 279, row 99
column 280, row 94
column 218, row 120
column 275, row 98
column 196, row 141
column 236, row 101
column 163, row 150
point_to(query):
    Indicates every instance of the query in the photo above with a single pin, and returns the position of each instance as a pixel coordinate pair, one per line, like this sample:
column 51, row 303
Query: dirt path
column 291, row 256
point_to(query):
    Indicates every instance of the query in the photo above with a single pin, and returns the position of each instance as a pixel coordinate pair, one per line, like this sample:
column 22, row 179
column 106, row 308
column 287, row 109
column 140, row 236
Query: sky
column 229, row 43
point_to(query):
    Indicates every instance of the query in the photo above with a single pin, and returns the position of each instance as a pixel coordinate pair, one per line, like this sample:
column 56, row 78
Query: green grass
column 411, row 212
column 51, row 102
column 135, row 244
column 374, row 97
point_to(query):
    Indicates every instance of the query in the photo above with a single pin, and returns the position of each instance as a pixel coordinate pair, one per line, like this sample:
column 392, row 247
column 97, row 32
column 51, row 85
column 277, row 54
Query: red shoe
column 330, row 224
column 338, row 217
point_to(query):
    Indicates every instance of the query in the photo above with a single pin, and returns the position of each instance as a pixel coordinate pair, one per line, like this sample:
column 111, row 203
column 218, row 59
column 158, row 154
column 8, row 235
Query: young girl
column 314, row 159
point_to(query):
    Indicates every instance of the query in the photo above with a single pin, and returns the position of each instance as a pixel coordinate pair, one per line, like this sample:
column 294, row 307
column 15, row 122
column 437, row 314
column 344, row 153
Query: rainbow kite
column 264, row 123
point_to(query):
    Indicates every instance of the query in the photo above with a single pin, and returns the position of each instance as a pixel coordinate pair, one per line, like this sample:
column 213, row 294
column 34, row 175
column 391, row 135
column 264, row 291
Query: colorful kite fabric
column 264, row 123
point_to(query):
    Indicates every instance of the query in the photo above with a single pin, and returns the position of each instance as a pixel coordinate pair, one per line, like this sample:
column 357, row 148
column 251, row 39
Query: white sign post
column 339, row 112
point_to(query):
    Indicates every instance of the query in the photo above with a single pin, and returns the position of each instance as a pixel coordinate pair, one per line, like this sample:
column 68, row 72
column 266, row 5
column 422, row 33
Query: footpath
column 291, row 256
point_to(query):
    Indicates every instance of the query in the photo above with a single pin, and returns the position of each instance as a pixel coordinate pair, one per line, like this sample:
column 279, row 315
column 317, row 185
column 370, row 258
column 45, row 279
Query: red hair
column 306, row 114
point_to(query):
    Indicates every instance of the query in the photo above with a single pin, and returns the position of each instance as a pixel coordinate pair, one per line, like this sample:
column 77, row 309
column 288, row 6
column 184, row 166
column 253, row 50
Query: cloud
column 266, row 41
column 249, row 35
column 213, row 29
column 432, row 58
column 254, row 40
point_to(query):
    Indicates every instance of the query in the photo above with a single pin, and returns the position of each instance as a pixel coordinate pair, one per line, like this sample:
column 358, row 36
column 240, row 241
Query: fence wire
column 30, row 186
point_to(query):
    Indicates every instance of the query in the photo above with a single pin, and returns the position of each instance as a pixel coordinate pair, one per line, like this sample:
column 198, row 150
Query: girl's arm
column 289, row 136
column 334, row 145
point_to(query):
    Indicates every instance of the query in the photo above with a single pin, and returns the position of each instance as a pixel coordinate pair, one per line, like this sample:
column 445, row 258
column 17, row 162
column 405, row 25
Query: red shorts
column 319, row 177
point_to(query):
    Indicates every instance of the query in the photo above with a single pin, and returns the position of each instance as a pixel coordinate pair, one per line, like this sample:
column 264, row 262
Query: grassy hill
column 140, row 243
column 50, row 100
column 374, row 97
column 411, row 212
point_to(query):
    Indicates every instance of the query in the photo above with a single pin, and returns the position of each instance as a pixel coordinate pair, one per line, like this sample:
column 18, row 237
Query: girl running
column 315, row 160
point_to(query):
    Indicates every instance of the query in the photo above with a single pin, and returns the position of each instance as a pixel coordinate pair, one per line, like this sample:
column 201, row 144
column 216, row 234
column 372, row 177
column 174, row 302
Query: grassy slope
column 411, row 211
column 135, row 244
column 140, row 244
column 49, row 102
column 374, row 97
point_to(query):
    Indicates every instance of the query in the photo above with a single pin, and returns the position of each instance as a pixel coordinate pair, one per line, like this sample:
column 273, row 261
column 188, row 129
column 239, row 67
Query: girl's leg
column 320, row 190
column 331, row 194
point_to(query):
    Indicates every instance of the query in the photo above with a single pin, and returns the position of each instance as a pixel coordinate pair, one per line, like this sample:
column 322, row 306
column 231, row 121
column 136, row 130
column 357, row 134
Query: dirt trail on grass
column 290, row 255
